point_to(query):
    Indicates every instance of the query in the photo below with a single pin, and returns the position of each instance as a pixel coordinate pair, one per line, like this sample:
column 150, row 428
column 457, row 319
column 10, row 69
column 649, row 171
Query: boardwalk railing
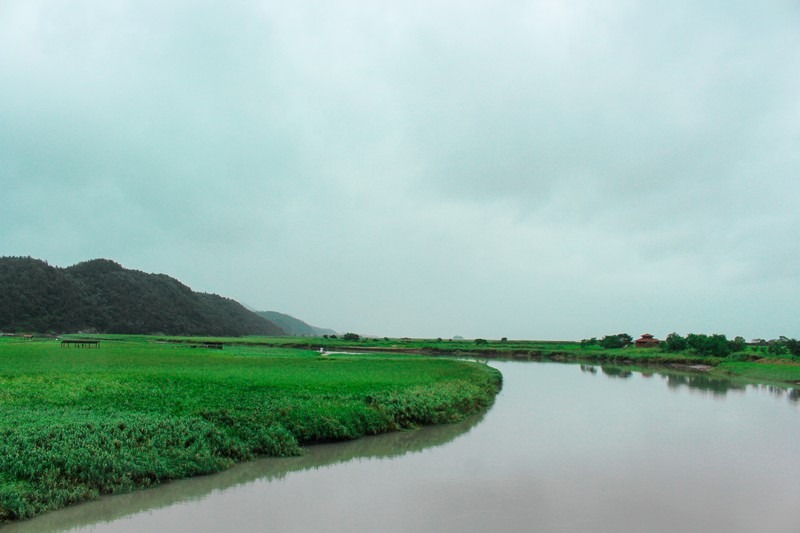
column 80, row 343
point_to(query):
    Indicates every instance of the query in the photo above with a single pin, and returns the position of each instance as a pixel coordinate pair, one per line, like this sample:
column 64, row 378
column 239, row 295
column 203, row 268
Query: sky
column 534, row 169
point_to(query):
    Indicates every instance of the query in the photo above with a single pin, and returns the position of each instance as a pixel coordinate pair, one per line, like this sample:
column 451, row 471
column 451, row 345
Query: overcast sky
column 544, row 169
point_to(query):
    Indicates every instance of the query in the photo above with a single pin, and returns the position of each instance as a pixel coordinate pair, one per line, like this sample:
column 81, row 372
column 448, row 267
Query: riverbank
column 751, row 363
column 76, row 423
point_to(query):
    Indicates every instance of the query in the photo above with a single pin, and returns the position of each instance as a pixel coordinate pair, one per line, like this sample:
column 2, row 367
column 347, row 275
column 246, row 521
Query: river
column 565, row 448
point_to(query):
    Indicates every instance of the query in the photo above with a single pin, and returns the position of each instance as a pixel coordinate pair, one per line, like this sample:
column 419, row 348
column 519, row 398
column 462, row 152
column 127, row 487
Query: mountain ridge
column 102, row 296
column 294, row 326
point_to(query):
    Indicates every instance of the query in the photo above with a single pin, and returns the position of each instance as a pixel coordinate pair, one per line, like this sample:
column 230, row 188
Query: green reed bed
column 76, row 423
column 778, row 370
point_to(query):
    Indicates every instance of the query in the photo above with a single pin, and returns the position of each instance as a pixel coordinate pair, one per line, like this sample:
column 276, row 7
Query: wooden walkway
column 212, row 345
column 80, row 343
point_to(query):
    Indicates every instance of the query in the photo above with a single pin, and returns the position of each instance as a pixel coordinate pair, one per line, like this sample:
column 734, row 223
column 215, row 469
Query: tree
column 777, row 347
column 585, row 343
column 783, row 346
column 709, row 345
column 674, row 343
column 738, row 344
column 351, row 337
column 481, row 341
column 793, row 346
column 620, row 340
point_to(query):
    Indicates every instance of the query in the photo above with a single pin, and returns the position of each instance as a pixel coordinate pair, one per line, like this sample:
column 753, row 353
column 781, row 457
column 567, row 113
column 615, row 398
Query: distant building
column 647, row 341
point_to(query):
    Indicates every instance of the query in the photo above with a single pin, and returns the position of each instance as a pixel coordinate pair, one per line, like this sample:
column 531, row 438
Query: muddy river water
column 566, row 447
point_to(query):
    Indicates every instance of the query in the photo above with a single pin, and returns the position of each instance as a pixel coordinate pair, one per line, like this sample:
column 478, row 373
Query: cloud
column 529, row 168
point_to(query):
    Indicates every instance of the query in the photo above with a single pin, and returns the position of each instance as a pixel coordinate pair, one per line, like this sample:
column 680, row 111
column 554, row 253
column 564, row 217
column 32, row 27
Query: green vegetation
column 781, row 346
column 771, row 361
column 620, row 340
column 701, row 344
column 715, row 349
column 101, row 296
column 77, row 423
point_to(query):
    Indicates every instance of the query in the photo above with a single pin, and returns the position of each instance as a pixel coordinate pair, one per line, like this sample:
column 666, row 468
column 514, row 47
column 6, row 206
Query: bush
column 620, row 340
column 738, row 344
column 709, row 345
column 784, row 346
column 675, row 343
column 585, row 343
column 793, row 345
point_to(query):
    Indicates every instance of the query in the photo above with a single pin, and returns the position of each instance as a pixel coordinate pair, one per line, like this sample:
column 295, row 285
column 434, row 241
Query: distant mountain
column 102, row 296
column 294, row 326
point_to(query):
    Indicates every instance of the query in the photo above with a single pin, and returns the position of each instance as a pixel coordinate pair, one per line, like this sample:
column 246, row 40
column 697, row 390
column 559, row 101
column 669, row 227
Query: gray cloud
column 525, row 169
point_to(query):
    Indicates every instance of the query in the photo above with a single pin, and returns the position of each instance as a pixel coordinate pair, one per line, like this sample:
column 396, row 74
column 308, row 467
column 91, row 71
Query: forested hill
column 101, row 296
column 294, row 326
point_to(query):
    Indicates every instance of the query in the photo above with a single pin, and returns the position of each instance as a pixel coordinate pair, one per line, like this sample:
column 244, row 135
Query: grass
column 76, row 423
column 752, row 363
column 779, row 370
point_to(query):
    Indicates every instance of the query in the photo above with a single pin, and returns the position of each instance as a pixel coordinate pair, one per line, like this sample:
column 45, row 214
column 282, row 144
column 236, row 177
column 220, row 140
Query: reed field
column 752, row 362
column 76, row 423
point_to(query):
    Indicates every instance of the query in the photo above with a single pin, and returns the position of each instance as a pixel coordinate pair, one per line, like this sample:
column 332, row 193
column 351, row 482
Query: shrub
column 585, row 343
column 620, row 340
column 709, row 345
column 675, row 343
column 783, row 346
column 738, row 344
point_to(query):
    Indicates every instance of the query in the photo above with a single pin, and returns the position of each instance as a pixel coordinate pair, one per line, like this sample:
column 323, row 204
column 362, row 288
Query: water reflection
column 792, row 394
column 717, row 387
column 616, row 372
column 112, row 508
column 693, row 380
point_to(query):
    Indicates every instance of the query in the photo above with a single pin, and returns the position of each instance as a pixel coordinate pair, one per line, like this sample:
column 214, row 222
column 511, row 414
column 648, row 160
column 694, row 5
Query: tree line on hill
column 294, row 326
column 103, row 297
column 716, row 345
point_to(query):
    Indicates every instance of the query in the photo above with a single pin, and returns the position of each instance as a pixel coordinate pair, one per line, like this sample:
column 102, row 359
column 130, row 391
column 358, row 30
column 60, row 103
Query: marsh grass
column 780, row 370
column 77, row 423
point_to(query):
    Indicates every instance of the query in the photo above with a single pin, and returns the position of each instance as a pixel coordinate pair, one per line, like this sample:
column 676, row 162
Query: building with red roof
column 646, row 341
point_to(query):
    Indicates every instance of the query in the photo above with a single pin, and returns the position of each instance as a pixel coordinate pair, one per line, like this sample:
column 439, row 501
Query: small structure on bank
column 208, row 344
column 646, row 341
column 80, row 343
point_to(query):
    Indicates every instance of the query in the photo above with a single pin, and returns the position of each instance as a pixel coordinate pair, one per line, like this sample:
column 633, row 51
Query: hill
column 102, row 296
column 294, row 326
